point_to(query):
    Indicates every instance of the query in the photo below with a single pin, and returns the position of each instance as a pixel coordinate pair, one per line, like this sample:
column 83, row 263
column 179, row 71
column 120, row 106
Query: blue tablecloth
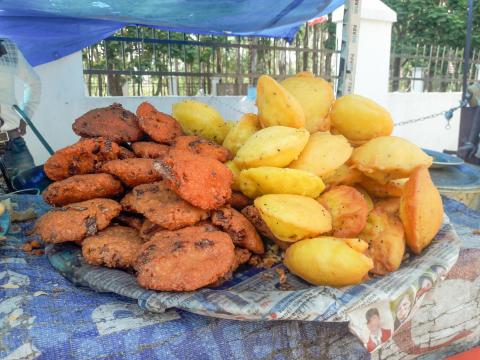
column 44, row 316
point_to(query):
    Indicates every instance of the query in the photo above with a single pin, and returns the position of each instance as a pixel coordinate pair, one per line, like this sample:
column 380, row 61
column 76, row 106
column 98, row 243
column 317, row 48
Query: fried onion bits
column 202, row 181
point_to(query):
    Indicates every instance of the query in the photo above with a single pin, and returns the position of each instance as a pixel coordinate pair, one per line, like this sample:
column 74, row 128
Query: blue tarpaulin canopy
column 46, row 30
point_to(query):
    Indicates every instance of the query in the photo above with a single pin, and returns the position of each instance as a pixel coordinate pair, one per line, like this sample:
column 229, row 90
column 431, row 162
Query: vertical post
column 466, row 53
column 371, row 74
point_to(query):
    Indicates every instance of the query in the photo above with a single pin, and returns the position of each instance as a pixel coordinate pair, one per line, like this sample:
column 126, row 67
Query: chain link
column 448, row 114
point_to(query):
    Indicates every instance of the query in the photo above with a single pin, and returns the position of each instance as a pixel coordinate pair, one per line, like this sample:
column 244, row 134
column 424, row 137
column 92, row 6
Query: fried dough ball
column 388, row 158
column 202, row 181
column 239, row 201
column 114, row 247
column 133, row 172
column 162, row 206
column 323, row 154
column 112, row 122
column 241, row 231
column 82, row 187
column 421, row 210
column 240, row 132
column 150, row 149
column 185, row 259
column 127, row 219
column 84, row 157
column 391, row 189
column 384, row 234
column 327, row 261
column 343, row 175
column 348, row 208
column 159, row 126
column 76, row 221
column 360, row 119
column 203, row 147
column 390, row 205
column 253, row 215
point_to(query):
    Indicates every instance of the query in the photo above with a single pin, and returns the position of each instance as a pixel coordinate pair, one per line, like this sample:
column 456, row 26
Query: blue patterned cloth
column 42, row 315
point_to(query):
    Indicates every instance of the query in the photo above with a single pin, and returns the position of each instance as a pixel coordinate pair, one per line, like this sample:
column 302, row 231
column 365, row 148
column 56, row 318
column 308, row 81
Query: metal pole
column 34, row 129
column 466, row 53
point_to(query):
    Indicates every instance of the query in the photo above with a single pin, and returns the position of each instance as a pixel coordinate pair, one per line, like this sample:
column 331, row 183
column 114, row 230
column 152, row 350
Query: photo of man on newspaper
column 378, row 334
column 401, row 308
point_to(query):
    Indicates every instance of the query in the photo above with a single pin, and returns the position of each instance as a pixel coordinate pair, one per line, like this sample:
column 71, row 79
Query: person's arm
column 32, row 85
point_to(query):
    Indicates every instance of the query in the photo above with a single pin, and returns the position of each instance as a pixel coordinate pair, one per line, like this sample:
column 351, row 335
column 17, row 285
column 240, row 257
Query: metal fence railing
column 430, row 68
column 144, row 61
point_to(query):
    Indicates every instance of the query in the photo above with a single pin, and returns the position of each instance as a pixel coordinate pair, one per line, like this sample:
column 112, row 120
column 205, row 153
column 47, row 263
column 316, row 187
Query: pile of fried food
column 179, row 199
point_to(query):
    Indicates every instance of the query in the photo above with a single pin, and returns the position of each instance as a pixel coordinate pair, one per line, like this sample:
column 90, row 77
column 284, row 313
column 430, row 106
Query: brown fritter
column 185, row 259
column 241, row 257
column 253, row 215
column 82, row 187
column 149, row 229
column 84, row 157
column 112, row 122
column 76, row 221
column 159, row 126
column 115, row 247
column 241, row 231
column 203, row 147
column 239, row 201
column 202, row 181
column 126, row 154
column 149, row 149
column 133, row 172
column 132, row 220
column 162, row 206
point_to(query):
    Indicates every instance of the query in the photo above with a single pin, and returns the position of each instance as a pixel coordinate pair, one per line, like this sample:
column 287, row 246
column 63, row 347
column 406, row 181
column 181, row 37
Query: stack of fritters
column 137, row 193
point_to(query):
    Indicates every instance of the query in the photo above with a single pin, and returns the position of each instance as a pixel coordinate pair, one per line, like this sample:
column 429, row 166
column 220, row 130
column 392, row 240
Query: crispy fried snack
column 149, row 229
column 115, row 247
column 126, row 154
column 390, row 189
column 127, row 219
column 240, row 132
column 239, row 201
column 76, row 221
column 82, row 187
column 159, row 126
column 202, row 181
column 384, row 234
column 343, row 175
column 84, row 157
column 241, row 231
column 162, row 206
column 149, row 149
column 390, row 205
column 241, row 257
column 203, row 147
column 348, row 208
column 253, row 215
column 185, row 259
column 112, row 122
column 421, row 210
column 133, row 172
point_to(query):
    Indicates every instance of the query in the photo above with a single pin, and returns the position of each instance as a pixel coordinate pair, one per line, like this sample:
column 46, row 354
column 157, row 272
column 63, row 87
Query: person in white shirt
column 13, row 150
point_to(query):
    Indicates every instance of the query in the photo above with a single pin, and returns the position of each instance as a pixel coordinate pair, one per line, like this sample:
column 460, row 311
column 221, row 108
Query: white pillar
column 373, row 58
column 417, row 85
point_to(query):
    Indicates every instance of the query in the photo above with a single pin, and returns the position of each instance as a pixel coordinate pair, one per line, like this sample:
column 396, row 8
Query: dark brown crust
column 76, row 221
column 239, row 201
column 150, row 150
column 133, row 172
column 202, row 181
column 241, row 257
column 112, row 122
column 162, row 206
column 159, row 126
column 126, row 154
column 82, row 187
column 253, row 215
column 185, row 259
column 149, row 229
column 134, row 221
column 84, row 157
column 115, row 247
column 197, row 145
column 241, row 231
